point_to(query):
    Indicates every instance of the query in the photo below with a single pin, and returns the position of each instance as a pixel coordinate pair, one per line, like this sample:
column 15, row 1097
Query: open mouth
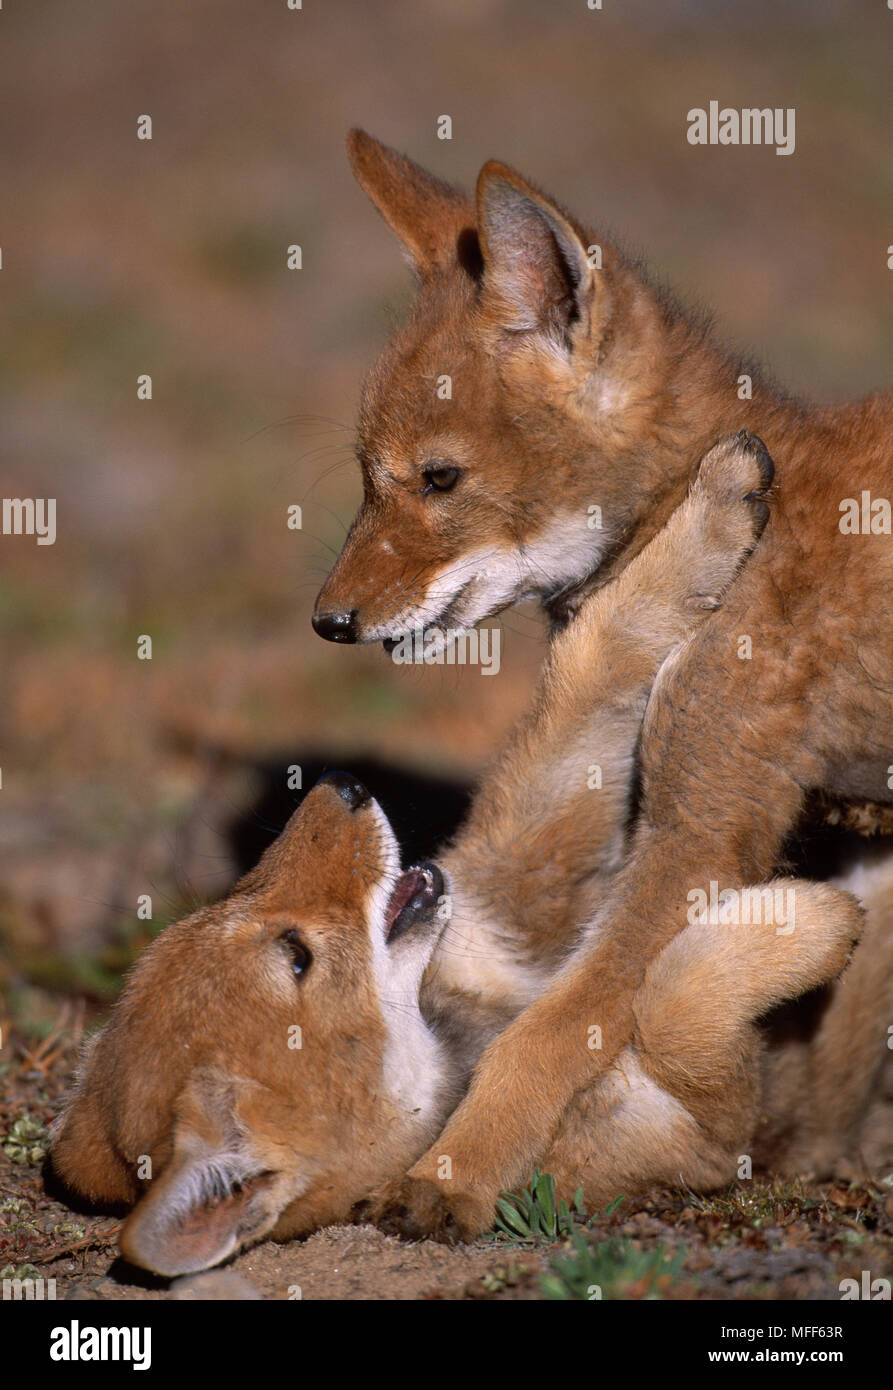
column 414, row 899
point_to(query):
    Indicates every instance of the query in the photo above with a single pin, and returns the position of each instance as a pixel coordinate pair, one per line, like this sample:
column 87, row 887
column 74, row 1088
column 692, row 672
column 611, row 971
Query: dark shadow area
column 424, row 810
column 821, row 851
column 123, row 1272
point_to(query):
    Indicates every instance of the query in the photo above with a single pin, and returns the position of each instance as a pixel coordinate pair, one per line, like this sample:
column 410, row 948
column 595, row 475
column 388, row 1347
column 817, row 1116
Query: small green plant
column 13, row 1206
column 590, row 1269
column 497, row 1280
column 533, row 1214
column 27, row 1141
column 19, row 1272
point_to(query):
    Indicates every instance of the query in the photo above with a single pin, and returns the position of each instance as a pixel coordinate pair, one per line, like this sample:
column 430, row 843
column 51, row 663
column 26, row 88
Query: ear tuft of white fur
column 199, row 1212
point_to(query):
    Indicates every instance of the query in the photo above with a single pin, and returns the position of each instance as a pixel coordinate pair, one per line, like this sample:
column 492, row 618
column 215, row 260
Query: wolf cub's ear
column 202, row 1209
column 535, row 264
column 216, row 1195
column 428, row 215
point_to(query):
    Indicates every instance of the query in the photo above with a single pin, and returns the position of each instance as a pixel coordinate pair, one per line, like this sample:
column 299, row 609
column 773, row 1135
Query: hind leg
column 683, row 1099
column 835, row 1083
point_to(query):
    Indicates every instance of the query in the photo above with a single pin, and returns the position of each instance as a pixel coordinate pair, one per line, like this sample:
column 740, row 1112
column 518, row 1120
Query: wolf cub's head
column 491, row 426
column 267, row 1062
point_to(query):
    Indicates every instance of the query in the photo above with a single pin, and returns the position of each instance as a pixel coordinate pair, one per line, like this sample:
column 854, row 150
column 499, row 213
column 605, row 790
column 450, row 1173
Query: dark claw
column 763, row 459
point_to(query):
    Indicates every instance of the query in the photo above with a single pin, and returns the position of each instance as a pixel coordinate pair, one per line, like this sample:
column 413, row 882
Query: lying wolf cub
column 279, row 1057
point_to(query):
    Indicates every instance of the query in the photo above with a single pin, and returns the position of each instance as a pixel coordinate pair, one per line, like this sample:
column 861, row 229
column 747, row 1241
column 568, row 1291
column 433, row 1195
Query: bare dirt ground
column 120, row 777
column 760, row 1239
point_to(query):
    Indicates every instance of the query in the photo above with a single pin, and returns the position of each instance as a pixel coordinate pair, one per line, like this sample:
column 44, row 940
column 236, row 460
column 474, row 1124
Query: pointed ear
column 216, row 1195
column 204, row 1207
column 434, row 220
column 536, row 266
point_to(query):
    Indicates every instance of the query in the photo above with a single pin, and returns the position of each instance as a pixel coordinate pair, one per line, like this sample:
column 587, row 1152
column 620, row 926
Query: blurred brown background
column 120, row 257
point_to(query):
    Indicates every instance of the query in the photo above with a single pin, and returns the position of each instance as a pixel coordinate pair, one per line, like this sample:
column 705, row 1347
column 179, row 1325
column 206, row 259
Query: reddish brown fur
column 248, row 1137
column 196, row 1060
column 574, row 386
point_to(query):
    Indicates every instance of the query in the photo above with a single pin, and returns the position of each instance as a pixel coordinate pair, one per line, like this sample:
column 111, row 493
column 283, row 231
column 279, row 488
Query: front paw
column 426, row 1209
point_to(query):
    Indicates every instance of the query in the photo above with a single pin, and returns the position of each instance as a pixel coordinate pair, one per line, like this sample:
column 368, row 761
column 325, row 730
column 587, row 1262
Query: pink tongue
column 406, row 886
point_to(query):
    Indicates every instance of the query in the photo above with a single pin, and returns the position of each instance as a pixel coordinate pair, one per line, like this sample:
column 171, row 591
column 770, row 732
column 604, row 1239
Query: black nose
column 349, row 788
column 336, row 626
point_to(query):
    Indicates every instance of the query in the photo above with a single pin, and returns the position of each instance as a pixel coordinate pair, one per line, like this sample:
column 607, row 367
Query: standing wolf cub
column 282, row 1055
column 580, row 401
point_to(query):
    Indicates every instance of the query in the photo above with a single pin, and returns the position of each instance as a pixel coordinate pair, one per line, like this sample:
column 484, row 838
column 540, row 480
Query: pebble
column 214, row 1284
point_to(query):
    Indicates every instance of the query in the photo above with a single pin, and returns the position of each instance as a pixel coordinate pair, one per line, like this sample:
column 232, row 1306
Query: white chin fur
column 398, row 969
column 486, row 580
column 414, row 1069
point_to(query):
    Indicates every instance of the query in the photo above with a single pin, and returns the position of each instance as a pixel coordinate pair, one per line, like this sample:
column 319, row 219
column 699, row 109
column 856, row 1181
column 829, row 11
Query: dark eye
column 300, row 956
column 440, row 477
